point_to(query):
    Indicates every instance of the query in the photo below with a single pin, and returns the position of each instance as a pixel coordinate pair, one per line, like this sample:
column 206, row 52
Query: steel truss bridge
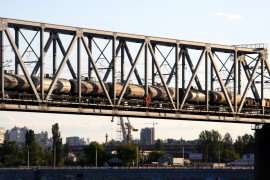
column 34, row 48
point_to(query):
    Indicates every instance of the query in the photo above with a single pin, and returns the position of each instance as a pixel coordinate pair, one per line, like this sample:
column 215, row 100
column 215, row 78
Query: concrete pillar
column 262, row 153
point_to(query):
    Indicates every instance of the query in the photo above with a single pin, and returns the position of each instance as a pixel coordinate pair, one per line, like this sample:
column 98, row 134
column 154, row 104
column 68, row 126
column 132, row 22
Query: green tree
column 90, row 151
column 32, row 150
column 57, row 146
column 228, row 153
column 244, row 144
column 10, row 155
column 127, row 153
column 210, row 145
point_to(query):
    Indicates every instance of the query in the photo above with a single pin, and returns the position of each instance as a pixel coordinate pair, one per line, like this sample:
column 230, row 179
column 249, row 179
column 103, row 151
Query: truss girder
column 145, row 62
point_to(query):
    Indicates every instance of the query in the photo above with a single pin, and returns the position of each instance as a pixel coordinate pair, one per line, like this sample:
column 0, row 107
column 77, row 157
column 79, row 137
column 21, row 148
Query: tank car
column 10, row 81
column 135, row 91
column 23, row 84
column 62, row 86
column 196, row 96
column 159, row 92
column 97, row 88
column 86, row 87
column 118, row 88
column 46, row 83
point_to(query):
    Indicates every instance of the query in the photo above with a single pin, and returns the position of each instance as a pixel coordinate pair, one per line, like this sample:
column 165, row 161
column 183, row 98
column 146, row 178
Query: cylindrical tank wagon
column 18, row 83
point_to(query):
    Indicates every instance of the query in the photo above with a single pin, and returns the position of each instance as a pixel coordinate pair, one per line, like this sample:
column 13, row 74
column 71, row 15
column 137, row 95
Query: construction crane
column 126, row 129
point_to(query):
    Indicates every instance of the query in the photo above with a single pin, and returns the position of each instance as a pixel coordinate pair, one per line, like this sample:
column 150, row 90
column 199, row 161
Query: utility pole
column 137, row 156
column 28, row 157
column 96, row 157
column 54, row 156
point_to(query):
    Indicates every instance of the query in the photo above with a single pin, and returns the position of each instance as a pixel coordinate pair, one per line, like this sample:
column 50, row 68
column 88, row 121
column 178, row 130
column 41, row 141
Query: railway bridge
column 62, row 69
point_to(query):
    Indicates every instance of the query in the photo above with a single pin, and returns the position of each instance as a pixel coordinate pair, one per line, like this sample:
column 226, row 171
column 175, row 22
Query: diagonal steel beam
column 46, row 48
column 89, row 53
column 130, row 73
column 160, row 74
column 131, row 63
column 250, row 80
column 102, row 50
column 224, row 90
column 111, row 63
column 62, row 49
column 23, row 67
column 165, row 57
column 61, row 66
column 174, row 67
column 197, row 80
column 248, row 75
column 230, row 75
column 29, row 44
column 192, row 79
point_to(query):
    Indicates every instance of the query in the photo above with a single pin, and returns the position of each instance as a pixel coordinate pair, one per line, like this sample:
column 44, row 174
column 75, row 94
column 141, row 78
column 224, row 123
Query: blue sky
column 221, row 21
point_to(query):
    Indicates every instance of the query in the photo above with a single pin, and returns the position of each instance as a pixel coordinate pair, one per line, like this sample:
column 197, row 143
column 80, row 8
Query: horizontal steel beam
column 132, row 37
column 190, row 115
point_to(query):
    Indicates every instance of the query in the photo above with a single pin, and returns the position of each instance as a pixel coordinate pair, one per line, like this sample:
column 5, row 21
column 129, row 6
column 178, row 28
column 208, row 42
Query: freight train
column 135, row 94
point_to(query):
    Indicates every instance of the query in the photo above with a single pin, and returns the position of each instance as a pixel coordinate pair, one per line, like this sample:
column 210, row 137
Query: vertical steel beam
column 212, row 77
column 17, row 44
column 41, row 58
column 122, row 62
column 239, row 76
column 160, row 74
column 206, row 82
column 79, row 69
column 89, row 63
column 61, row 66
column 89, row 53
column 177, row 75
column 54, row 53
column 224, row 90
column 184, row 70
column 111, row 63
column 235, row 79
column 2, row 85
column 146, row 71
column 262, row 78
column 23, row 67
column 153, row 66
column 250, row 81
column 192, row 79
column 114, row 69
column 46, row 48
column 130, row 73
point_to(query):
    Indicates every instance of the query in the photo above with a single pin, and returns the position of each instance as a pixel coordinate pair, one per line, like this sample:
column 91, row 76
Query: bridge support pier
column 262, row 152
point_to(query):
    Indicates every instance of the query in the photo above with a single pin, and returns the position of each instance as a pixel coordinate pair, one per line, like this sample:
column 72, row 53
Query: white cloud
column 229, row 16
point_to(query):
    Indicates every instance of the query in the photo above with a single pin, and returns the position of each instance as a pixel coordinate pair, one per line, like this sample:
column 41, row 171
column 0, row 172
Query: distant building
column 16, row 134
column 2, row 135
column 75, row 141
column 43, row 140
column 147, row 136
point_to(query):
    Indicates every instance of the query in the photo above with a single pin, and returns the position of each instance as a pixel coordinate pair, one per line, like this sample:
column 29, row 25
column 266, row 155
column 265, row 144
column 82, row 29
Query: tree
column 127, row 153
column 10, row 155
column 244, row 144
column 91, row 152
column 210, row 145
column 228, row 152
column 33, row 151
column 57, row 146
